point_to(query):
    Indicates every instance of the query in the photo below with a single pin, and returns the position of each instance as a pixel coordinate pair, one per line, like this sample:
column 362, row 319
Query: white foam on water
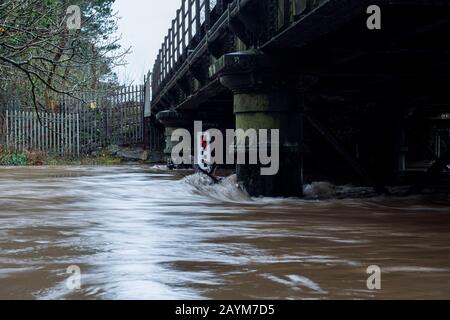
column 159, row 168
column 415, row 269
column 226, row 190
column 320, row 189
column 306, row 282
column 229, row 190
column 328, row 190
column 296, row 282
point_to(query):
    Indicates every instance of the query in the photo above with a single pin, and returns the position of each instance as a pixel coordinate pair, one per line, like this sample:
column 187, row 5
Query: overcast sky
column 143, row 26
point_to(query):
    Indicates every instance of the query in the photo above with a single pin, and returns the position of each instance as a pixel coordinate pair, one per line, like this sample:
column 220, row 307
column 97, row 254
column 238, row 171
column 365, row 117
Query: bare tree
column 39, row 52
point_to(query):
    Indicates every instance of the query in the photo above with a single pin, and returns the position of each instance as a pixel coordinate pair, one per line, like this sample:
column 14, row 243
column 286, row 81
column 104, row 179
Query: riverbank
column 110, row 156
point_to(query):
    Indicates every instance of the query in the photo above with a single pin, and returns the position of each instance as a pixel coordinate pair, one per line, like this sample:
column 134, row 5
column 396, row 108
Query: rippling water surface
column 140, row 233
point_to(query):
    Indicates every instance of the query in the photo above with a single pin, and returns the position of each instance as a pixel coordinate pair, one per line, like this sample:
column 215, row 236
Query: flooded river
column 140, row 233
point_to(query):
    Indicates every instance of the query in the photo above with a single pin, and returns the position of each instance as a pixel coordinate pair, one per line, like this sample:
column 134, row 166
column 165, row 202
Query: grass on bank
column 40, row 158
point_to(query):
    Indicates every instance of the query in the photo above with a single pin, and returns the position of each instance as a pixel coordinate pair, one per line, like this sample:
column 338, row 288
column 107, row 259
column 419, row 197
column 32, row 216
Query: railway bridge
column 353, row 103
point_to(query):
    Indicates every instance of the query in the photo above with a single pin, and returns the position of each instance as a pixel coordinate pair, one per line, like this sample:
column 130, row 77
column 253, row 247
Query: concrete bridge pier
column 263, row 102
column 173, row 120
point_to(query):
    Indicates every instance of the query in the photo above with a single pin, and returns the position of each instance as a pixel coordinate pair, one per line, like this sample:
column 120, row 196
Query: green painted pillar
column 261, row 101
column 274, row 110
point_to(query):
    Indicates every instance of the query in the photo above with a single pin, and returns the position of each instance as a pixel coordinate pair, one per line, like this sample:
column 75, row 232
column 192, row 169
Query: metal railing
column 55, row 133
column 81, row 125
column 192, row 22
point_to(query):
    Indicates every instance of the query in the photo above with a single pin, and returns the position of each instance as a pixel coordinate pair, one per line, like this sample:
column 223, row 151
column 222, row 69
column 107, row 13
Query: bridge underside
column 353, row 105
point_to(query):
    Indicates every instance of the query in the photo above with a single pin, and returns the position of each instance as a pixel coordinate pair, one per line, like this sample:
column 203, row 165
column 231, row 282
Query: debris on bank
column 111, row 155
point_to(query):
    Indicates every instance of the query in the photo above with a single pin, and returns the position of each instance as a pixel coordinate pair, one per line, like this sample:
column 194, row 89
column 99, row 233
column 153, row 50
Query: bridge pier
column 261, row 102
column 173, row 120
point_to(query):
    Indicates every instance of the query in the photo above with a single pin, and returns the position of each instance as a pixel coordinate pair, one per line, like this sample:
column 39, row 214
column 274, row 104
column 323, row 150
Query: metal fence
column 78, row 125
column 112, row 118
column 56, row 133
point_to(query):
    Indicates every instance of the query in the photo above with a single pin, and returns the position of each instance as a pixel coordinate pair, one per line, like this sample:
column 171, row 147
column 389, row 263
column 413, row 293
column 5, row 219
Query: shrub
column 14, row 159
column 36, row 158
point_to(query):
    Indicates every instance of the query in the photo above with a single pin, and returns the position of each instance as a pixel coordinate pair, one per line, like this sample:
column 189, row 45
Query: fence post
column 7, row 128
column 57, row 134
column 23, row 127
column 69, row 120
column 66, row 130
column 27, row 130
column 19, row 129
column 78, row 134
column 142, row 115
column 63, row 134
column 38, row 131
column 44, row 131
column 15, row 128
column 207, row 15
column 178, row 35
column 105, row 121
column 198, row 24
column 54, row 132
column 190, row 33
column 33, row 134
column 41, row 131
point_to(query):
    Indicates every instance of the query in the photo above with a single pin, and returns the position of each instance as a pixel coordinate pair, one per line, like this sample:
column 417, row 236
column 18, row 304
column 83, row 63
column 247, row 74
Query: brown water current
column 144, row 233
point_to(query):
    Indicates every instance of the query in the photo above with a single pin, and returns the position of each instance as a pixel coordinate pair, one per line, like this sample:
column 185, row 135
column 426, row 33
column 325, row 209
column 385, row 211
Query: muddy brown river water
column 141, row 233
